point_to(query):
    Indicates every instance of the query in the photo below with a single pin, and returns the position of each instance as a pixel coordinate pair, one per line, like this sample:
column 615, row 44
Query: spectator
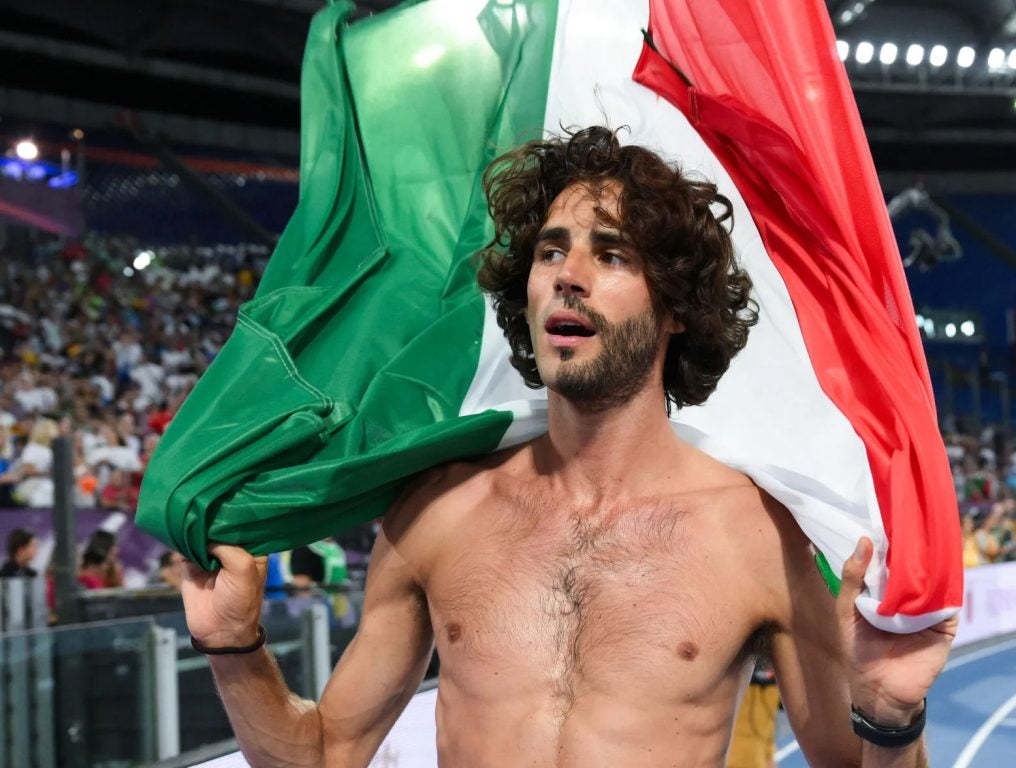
column 120, row 492
column 971, row 551
column 100, row 564
column 22, row 546
column 170, row 571
column 33, row 484
column 320, row 563
column 986, row 538
column 753, row 744
column 91, row 574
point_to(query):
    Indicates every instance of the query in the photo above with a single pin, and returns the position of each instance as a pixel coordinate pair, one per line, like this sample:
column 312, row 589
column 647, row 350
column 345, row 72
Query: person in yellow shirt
column 753, row 744
column 971, row 552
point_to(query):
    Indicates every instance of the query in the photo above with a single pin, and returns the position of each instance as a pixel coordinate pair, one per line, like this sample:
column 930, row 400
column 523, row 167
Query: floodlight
column 26, row 149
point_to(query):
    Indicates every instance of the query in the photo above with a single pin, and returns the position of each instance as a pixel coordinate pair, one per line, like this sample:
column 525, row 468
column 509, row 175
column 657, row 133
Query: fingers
column 239, row 560
column 852, row 578
column 232, row 558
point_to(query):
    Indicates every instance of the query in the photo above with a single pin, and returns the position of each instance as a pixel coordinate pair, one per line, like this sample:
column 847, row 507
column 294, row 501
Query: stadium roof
column 226, row 73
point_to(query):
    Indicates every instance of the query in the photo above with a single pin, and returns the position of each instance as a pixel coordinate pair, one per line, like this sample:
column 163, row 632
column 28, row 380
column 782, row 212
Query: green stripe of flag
column 347, row 372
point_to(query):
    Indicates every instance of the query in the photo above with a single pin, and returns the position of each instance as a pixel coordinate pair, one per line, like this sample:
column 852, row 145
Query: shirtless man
column 595, row 595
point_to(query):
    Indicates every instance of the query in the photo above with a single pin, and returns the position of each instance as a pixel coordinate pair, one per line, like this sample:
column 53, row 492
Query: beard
column 622, row 367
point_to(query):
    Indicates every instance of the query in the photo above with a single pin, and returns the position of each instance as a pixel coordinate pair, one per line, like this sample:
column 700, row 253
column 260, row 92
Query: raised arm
column 830, row 658
column 373, row 681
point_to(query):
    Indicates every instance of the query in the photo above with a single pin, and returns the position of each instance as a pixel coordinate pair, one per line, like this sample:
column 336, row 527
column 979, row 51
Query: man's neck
column 624, row 451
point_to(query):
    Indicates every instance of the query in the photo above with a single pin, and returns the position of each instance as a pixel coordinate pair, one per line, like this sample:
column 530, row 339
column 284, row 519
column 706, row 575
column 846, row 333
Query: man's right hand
column 224, row 607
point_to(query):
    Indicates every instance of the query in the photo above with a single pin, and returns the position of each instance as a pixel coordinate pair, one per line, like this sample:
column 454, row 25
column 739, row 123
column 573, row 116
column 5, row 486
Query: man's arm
column 829, row 657
column 375, row 678
column 807, row 652
column 890, row 674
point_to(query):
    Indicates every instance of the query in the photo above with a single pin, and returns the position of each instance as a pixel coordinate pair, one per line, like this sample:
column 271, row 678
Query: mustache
column 575, row 304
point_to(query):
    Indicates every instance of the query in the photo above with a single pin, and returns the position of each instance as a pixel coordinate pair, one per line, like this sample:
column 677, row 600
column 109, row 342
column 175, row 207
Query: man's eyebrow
column 603, row 237
column 553, row 233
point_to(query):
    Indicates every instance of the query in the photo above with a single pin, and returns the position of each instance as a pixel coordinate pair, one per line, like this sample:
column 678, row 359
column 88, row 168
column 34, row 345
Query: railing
column 130, row 692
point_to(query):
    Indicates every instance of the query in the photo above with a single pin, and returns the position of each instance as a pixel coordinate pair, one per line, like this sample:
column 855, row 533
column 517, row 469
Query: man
column 597, row 595
column 22, row 547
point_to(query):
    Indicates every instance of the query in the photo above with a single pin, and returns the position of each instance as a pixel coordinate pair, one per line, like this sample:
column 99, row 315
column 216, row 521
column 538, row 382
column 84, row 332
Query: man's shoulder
column 444, row 495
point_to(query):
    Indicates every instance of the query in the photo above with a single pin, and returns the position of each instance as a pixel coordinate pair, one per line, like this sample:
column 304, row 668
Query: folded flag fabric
column 369, row 354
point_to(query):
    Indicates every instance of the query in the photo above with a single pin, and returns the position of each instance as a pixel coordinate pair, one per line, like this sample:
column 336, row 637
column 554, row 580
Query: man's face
column 595, row 333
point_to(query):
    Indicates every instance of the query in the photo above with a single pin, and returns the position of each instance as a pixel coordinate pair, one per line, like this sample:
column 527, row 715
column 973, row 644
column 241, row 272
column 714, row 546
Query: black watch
column 885, row 736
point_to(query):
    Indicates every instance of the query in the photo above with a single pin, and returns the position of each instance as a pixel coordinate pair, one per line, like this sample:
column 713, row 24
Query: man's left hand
column 890, row 673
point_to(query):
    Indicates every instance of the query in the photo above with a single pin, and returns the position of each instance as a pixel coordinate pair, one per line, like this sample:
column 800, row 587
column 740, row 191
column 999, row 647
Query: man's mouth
column 566, row 329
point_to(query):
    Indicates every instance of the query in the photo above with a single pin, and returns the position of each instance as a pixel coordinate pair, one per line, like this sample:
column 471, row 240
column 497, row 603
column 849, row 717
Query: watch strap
column 884, row 735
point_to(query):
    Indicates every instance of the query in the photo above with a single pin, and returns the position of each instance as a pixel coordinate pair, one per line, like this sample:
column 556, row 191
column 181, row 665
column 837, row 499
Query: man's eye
column 614, row 259
column 551, row 254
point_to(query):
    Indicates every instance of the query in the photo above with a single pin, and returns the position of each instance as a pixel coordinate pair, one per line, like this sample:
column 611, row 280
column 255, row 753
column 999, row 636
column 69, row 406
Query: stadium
column 239, row 246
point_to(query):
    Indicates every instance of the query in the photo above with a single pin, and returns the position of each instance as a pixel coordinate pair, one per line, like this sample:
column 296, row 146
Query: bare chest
column 636, row 599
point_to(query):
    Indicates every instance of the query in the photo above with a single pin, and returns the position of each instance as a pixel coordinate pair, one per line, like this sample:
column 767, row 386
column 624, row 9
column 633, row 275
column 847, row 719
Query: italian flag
column 369, row 354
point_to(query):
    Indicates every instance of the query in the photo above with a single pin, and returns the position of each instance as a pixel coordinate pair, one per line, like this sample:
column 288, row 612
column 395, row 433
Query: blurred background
column 149, row 159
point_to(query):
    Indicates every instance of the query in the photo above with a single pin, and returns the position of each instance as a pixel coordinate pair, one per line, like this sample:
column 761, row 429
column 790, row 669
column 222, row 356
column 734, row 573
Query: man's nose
column 572, row 279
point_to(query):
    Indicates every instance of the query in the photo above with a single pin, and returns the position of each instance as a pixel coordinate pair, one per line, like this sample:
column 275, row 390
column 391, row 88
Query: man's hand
column 224, row 607
column 890, row 673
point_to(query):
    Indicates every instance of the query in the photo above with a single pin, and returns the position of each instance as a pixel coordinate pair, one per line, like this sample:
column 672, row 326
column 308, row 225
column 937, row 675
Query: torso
column 617, row 634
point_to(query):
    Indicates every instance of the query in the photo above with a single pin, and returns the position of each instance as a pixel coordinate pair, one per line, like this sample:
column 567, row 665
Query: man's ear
column 673, row 325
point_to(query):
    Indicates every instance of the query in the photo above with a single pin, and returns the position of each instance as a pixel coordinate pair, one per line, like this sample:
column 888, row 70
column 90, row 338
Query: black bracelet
column 885, row 736
column 231, row 649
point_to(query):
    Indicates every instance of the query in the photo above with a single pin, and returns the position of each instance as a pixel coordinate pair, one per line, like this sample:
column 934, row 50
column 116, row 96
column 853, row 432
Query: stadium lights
column 847, row 16
column 1012, row 59
column 887, row 54
column 915, row 54
column 843, row 49
column 143, row 259
column 967, row 328
column 864, row 52
column 938, row 55
column 950, row 329
column 996, row 59
column 26, row 149
column 965, row 58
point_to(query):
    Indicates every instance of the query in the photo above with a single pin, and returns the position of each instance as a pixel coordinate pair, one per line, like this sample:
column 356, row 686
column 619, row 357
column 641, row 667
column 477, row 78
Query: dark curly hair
column 690, row 265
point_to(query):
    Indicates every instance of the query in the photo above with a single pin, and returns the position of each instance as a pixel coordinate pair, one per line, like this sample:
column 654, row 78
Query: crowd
column 984, row 476
column 95, row 349
column 101, row 340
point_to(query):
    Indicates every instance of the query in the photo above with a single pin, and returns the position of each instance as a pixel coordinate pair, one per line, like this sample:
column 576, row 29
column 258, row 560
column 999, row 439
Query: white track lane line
column 975, row 743
column 788, row 749
column 976, row 655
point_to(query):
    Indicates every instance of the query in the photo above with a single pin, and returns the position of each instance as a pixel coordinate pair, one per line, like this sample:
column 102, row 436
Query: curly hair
column 690, row 266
